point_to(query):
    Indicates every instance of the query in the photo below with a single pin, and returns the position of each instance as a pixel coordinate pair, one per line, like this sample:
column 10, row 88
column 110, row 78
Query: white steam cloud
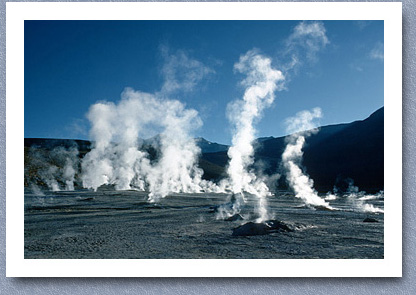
column 358, row 199
column 311, row 36
column 182, row 72
column 117, row 158
column 306, row 40
column 261, row 82
column 69, row 170
column 54, row 168
column 302, row 125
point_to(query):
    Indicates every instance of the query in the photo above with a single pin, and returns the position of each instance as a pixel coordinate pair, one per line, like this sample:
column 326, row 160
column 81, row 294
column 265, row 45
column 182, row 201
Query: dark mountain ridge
column 334, row 156
column 51, row 143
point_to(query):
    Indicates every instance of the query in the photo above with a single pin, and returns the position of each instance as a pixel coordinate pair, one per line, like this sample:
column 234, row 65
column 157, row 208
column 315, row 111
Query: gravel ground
column 122, row 225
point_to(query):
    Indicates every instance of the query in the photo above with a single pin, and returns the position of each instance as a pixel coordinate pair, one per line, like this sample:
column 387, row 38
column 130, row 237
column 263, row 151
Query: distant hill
column 51, row 143
column 333, row 156
column 85, row 145
column 210, row 147
column 205, row 145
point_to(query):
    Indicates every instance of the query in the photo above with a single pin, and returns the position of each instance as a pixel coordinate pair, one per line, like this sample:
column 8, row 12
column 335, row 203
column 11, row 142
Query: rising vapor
column 181, row 72
column 302, row 46
column 55, row 168
column 260, row 84
column 118, row 157
column 301, row 126
column 358, row 199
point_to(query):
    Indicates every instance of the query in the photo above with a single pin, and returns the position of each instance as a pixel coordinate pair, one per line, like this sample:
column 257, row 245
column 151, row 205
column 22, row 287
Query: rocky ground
column 113, row 224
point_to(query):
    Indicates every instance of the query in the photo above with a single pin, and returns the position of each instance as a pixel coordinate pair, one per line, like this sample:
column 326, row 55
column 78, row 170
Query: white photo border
column 18, row 12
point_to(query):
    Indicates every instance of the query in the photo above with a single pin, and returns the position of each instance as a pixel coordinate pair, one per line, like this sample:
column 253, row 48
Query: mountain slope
column 355, row 152
column 210, row 147
column 333, row 156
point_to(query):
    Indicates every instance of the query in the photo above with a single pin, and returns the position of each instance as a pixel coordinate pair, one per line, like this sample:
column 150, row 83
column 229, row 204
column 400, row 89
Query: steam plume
column 181, row 72
column 306, row 40
column 261, row 82
column 70, row 168
column 358, row 199
column 118, row 158
column 55, row 168
column 302, row 125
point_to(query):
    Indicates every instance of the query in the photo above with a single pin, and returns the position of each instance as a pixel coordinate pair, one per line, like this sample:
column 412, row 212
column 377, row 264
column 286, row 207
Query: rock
column 369, row 219
column 235, row 217
column 275, row 225
column 323, row 208
column 86, row 199
column 301, row 207
column 263, row 228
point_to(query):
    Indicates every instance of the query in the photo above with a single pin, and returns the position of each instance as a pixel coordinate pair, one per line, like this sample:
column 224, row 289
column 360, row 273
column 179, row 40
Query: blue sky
column 70, row 65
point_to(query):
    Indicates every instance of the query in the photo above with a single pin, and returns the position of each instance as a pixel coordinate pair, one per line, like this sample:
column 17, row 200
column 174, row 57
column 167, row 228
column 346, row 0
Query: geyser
column 260, row 84
column 301, row 126
column 358, row 199
column 117, row 158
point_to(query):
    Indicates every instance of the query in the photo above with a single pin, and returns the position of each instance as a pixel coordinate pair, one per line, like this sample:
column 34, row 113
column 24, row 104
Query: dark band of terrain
column 333, row 156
